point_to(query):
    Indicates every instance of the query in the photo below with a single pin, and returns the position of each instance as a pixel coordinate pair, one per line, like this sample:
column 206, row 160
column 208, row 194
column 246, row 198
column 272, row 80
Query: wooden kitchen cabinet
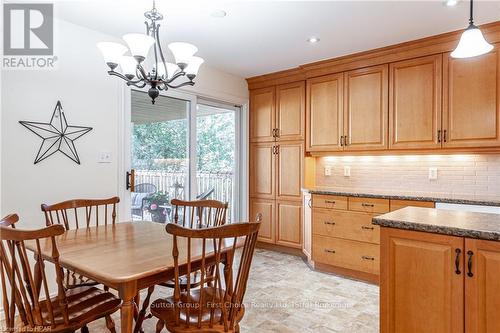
column 415, row 90
column 262, row 170
column 262, row 115
column 471, row 112
column 482, row 286
column 289, row 223
column 324, row 107
column 366, row 108
column 421, row 289
column 268, row 210
column 290, row 170
column 290, row 111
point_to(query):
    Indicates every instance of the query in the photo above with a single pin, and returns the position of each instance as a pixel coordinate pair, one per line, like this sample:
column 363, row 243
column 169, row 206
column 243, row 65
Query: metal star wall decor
column 57, row 135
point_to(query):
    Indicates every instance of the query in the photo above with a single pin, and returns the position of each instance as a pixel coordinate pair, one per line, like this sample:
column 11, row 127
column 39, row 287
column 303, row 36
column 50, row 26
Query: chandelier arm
column 177, row 75
column 157, row 42
column 120, row 75
column 162, row 57
column 136, row 84
column 183, row 84
column 143, row 72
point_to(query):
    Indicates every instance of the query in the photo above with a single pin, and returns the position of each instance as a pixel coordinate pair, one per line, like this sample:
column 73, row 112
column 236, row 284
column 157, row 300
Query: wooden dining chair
column 189, row 214
column 27, row 304
column 80, row 213
column 211, row 308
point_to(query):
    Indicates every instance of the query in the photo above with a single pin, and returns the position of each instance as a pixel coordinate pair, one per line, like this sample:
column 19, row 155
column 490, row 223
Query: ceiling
column 258, row 37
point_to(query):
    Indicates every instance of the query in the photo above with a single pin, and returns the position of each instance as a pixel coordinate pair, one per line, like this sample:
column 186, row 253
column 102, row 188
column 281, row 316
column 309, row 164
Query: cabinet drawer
column 369, row 205
column 345, row 224
column 329, row 201
column 349, row 254
column 398, row 204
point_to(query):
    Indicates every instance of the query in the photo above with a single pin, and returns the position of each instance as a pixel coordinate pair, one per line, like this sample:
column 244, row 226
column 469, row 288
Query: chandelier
column 163, row 75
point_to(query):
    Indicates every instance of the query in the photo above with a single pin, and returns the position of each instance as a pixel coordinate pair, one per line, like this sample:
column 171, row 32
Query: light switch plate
column 433, row 173
column 104, row 157
column 328, row 170
column 347, row 171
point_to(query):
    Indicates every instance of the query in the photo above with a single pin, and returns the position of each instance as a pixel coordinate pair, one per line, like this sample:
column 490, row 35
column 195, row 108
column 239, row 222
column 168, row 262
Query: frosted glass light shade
column 172, row 69
column 111, row 52
column 139, row 44
column 194, row 65
column 183, row 52
column 471, row 44
column 128, row 65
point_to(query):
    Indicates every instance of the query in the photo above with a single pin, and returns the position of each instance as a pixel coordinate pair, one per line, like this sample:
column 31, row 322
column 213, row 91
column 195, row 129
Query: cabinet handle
column 329, row 223
column 444, row 135
column 367, row 258
column 367, row 205
column 469, row 264
column 309, row 203
column 277, row 150
column 346, row 140
column 277, row 132
column 330, row 202
column 367, row 228
column 457, row 261
column 439, row 136
column 341, row 140
column 329, row 251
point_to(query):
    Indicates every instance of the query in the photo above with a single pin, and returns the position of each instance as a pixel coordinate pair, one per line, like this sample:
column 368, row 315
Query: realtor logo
column 28, row 29
column 28, row 37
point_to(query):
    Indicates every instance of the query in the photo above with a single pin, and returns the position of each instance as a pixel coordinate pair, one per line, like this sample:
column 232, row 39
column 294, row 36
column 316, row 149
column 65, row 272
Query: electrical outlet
column 347, row 171
column 328, row 170
column 104, row 157
column 433, row 173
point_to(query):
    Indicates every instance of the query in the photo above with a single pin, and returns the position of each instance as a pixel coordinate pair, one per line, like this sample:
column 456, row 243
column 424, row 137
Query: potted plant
column 156, row 204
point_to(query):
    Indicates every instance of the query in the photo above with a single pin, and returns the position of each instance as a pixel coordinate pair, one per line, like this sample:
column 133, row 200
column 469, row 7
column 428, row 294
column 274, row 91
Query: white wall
column 89, row 98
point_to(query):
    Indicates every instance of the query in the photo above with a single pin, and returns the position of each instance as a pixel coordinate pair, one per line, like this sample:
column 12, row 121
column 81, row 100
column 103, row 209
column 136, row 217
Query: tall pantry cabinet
column 277, row 116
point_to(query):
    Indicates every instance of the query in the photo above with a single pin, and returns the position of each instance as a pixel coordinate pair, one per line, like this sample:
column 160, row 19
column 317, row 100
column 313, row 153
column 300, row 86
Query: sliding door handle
column 130, row 180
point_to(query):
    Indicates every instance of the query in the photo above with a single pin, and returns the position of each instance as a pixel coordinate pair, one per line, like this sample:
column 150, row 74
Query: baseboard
column 348, row 273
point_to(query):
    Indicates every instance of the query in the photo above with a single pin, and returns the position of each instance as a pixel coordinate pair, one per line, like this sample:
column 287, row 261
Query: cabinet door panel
column 289, row 223
column 415, row 103
column 290, row 110
column 324, row 113
column 420, row 290
column 262, row 115
column 482, row 289
column 471, row 115
column 366, row 108
column 262, row 170
column 290, row 170
column 267, row 209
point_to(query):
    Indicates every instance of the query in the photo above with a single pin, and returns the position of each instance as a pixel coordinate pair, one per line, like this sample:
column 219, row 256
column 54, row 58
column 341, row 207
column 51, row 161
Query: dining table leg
column 127, row 293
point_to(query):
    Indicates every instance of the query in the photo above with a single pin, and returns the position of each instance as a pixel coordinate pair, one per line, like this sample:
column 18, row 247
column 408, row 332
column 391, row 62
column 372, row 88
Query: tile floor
column 285, row 296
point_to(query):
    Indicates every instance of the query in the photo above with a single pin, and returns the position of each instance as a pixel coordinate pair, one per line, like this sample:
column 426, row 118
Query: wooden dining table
column 126, row 256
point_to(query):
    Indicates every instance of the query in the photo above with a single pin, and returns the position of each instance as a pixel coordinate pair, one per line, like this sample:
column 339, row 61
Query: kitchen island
column 439, row 271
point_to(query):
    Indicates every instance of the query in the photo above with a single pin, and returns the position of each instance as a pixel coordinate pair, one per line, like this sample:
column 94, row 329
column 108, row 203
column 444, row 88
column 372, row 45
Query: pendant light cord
column 471, row 20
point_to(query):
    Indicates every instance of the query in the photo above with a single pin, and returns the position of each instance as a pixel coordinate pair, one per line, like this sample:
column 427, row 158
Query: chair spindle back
column 205, row 248
column 199, row 213
column 81, row 213
column 23, row 285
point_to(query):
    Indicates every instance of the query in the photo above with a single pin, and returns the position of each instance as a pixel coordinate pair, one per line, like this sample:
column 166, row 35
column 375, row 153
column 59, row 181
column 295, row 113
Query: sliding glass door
column 181, row 148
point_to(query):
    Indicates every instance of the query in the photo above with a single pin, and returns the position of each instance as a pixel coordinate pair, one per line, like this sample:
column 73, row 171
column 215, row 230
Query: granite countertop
column 416, row 197
column 442, row 221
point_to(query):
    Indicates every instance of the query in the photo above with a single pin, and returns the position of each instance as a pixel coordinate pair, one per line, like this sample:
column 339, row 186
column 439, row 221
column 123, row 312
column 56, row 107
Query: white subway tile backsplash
column 458, row 175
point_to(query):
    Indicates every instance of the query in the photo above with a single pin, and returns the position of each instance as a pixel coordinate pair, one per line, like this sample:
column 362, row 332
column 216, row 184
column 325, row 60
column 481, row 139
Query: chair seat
column 74, row 280
column 164, row 309
column 85, row 304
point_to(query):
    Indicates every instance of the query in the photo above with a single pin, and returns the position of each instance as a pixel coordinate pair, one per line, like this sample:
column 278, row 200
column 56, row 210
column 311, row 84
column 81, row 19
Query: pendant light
column 472, row 42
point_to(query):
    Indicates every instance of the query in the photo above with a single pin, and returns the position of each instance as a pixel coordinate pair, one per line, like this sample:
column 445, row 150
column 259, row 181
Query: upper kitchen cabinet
column 471, row 112
column 415, row 89
column 324, row 107
column 262, row 115
column 290, row 111
column 366, row 108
